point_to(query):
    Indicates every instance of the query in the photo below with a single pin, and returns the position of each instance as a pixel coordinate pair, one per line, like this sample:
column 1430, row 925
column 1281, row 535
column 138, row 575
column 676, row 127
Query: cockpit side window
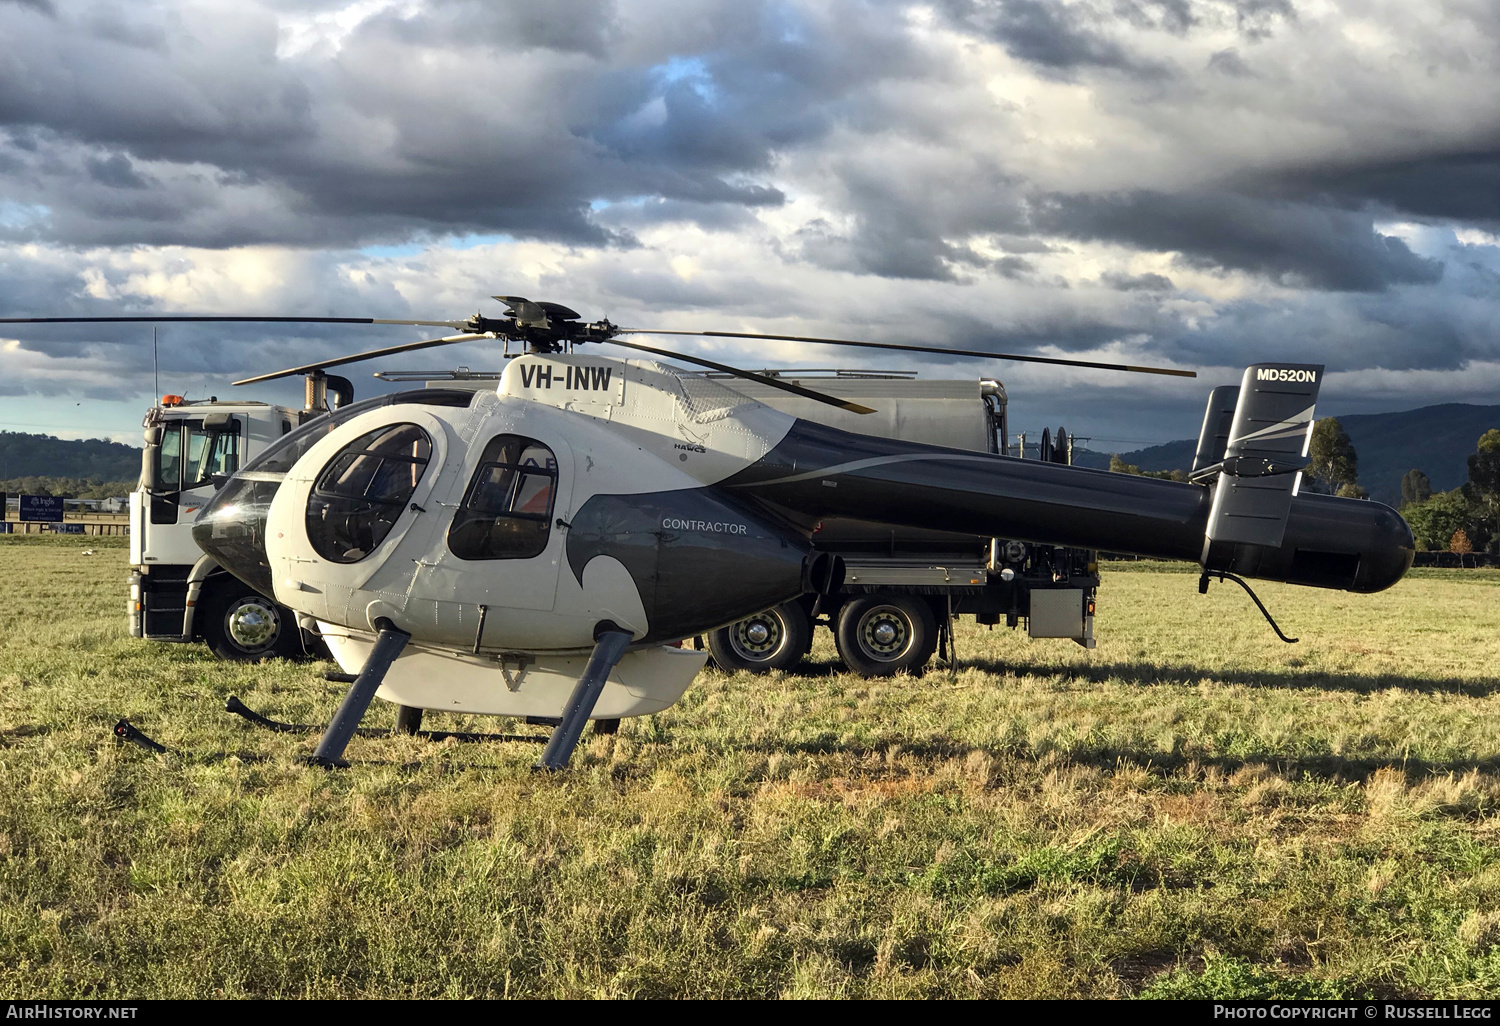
column 507, row 510
column 364, row 489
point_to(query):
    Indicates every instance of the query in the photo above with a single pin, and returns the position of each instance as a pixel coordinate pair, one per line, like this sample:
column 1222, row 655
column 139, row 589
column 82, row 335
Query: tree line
column 66, row 487
column 24, row 455
column 1466, row 519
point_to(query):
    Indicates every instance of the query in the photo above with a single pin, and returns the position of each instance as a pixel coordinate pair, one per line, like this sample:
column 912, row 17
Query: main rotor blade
column 1057, row 361
column 785, row 386
column 192, row 319
column 371, row 354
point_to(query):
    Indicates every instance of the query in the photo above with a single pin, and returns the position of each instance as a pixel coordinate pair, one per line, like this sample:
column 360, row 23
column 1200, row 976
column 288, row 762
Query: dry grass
column 1191, row 809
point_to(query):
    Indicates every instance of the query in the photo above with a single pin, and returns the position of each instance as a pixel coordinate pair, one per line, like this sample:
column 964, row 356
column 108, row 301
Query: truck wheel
column 881, row 635
column 245, row 626
column 775, row 639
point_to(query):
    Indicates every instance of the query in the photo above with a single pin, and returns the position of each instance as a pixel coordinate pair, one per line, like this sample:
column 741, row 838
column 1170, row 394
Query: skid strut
column 609, row 646
column 388, row 645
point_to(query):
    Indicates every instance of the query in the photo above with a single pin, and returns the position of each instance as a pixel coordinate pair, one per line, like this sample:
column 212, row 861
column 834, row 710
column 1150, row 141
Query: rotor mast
column 316, row 397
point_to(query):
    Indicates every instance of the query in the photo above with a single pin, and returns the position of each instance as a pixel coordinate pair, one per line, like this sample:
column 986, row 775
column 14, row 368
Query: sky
column 1197, row 184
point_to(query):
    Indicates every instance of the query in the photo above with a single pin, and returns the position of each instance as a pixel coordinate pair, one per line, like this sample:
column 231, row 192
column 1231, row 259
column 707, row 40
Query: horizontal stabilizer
column 1259, row 470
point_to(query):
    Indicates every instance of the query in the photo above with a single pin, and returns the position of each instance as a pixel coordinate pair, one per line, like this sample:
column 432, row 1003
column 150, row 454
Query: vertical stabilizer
column 1263, row 458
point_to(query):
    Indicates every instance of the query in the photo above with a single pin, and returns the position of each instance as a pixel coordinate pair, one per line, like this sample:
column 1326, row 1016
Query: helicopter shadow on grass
column 1110, row 757
column 1321, row 765
column 1145, row 674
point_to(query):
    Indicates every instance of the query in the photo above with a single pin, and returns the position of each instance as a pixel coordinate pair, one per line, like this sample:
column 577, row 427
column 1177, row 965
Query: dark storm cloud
column 1229, row 62
column 1063, row 38
column 1174, row 16
column 1058, row 36
column 882, row 246
column 1361, row 332
column 1136, row 282
column 465, row 117
column 43, row 6
column 1258, row 19
column 115, row 171
column 1457, row 186
column 1299, row 244
column 567, row 26
column 912, row 226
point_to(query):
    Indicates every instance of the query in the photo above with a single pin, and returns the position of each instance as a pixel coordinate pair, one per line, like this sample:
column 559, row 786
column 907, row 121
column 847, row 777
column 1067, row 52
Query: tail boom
column 819, row 471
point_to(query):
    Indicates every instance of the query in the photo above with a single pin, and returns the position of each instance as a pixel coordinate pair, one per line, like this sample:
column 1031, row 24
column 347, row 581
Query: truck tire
column 244, row 626
column 884, row 634
column 775, row 639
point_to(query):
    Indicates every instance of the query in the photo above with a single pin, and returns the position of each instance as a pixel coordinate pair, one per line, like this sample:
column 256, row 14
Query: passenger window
column 363, row 490
column 507, row 511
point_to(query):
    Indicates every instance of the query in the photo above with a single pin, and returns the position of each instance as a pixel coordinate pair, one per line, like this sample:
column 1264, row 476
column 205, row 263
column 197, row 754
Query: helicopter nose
column 232, row 529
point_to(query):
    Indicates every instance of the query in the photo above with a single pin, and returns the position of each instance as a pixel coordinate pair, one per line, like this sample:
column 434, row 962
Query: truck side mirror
column 149, row 479
column 153, row 435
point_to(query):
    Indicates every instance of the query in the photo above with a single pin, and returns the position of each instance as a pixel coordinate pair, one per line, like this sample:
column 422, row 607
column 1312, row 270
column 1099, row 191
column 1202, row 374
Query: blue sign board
column 68, row 529
column 42, row 509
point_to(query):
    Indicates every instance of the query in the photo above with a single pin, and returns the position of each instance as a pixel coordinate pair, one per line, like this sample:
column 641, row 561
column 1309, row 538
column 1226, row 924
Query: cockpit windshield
column 281, row 455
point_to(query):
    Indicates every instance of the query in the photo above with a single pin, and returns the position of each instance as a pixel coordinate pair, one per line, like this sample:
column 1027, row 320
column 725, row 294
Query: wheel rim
column 252, row 624
column 884, row 634
column 759, row 637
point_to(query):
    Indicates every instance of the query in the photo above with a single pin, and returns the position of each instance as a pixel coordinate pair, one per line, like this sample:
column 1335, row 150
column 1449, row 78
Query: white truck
column 176, row 592
column 902, row 588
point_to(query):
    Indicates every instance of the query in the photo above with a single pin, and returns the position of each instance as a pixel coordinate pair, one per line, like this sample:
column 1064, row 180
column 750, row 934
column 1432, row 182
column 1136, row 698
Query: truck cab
column 177, row 593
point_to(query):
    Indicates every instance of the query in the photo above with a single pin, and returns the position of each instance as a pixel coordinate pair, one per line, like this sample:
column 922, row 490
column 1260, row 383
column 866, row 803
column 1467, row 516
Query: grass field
column 1192, row 809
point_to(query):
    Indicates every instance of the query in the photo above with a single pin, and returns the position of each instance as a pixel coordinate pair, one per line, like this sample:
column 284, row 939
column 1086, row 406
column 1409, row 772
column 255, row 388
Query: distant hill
column 1436, row 440
column 27, row 455
column 1167, row 456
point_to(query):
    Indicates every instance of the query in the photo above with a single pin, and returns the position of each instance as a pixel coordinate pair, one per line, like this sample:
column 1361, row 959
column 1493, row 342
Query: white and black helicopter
column 537, row 550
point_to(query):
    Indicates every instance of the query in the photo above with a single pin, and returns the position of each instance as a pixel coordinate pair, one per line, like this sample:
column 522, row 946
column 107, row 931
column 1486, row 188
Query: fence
column 76, row 523
column 1457, row 560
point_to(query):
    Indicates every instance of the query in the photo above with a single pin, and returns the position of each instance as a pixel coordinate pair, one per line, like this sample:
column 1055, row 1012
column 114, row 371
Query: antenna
column 155, row 366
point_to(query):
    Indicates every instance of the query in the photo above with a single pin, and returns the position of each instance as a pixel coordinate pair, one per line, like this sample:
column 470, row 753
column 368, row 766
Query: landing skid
column 234, row 705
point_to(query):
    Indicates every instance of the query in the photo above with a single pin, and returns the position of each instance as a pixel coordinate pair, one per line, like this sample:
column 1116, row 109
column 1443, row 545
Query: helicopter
column 543, row 549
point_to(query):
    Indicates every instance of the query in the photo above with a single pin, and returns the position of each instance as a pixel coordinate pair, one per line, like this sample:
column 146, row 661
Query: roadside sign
column 68, row 529
column 42, row 509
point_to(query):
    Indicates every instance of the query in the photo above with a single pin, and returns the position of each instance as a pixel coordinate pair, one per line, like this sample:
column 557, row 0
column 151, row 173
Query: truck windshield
column 190, row 455
column 210, row 453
